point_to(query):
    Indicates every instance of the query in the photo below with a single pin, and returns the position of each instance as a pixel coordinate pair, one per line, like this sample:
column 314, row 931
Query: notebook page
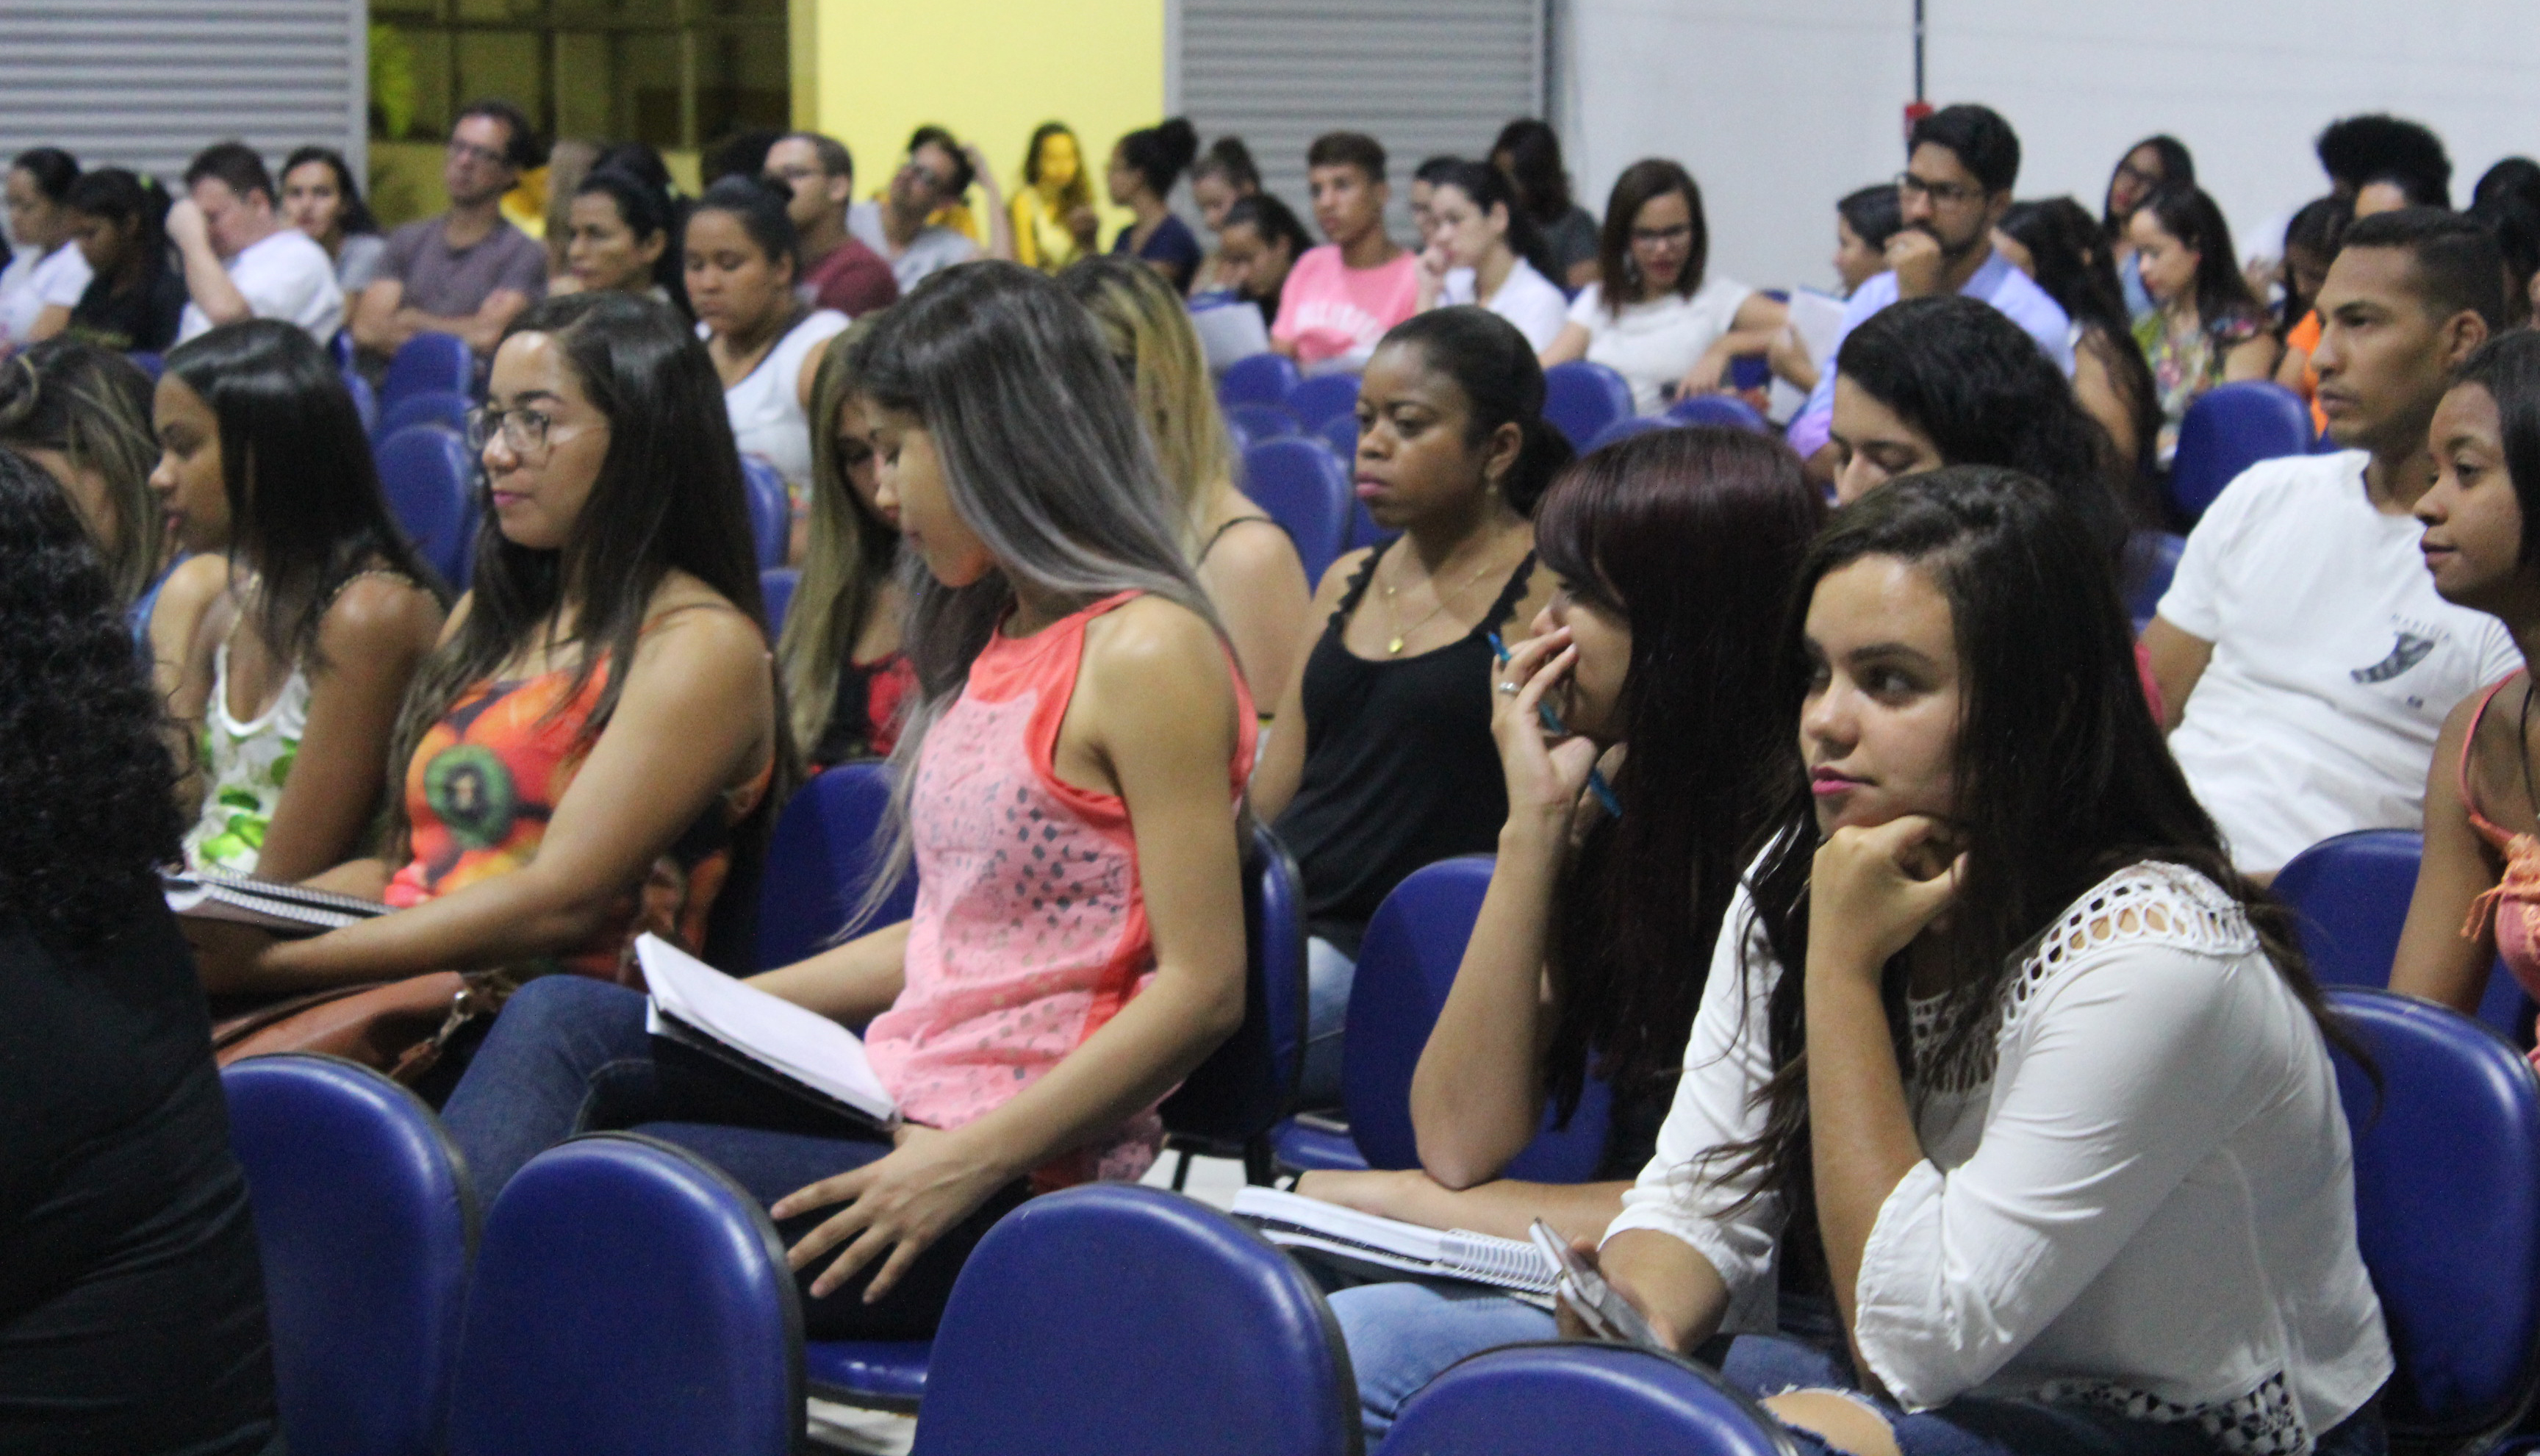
column 801, row 1044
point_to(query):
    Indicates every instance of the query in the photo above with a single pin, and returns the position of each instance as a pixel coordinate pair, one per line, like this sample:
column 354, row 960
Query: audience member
column 1676, row 553
column 2304, row 657
column 1145, row 165
column 1424, row 188
column 2205, row 328
column 292, row 684
column 1863, row 221
column 134, row 300
column 847, row 678
column 1072, row 667
column 934, row 174
column 2310, row 241
column 132, row 1311
column 2515, row 219
column 1224, row 176
column 568, row 161
column 2513, row 176
column 1478, row 240
column 743, row 153
column 1053, row 211
column 1341, row 298
column 467, row 272
column 1252, row 576
column 621, row 231
column 1528, row 153
column 240, row 260
column 2475, row 902
column 1258, row 248
column 1655, row 315
column 741, row 251
column 2006, row 1152
column 1383, row 761
column 46, row 275
column 321, row 199
column 591, row 751
column 2148, row 166
column 81, row 413
column 2056, row 243
column 2359, row 151
column 840, row 272
column 1962, row 164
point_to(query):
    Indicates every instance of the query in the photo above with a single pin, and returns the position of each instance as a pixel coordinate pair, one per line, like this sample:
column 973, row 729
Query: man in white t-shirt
column 2305, row 660
column 242, row 259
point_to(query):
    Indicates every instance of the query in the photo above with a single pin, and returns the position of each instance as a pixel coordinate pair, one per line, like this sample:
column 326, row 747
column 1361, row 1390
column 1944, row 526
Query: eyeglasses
column 472, row 152
column 524, row 431
column 1941, row 194
column 2128, row 172
column 1660, row 237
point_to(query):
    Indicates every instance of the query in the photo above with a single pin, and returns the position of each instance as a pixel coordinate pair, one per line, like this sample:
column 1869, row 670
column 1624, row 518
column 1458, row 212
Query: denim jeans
column 1402, row 1336
column 1329, row 970
column 570, row 1056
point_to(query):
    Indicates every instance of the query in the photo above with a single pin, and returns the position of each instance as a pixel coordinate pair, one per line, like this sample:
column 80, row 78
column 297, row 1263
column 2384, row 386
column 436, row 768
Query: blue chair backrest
column 429, row 362
column 1129, row 1321
column 2350, row 897
column 1581, row 400
column 2447, row 1211
column 1304, row 490
column 1627, row 427
column 1249, row 1081
column 148, row 363
column 2229, row 429
column 821, row 855
column 1340, row 432
column 771, row 511
column 366, row 1225
column 1323, row 399
column 2152, row 560
column 340, row 349
column 776, row 592
column 1252, row 423
column 1262, row 378
column 1568, row 1397
column 1718, row 409
column 628, row 1300
column 441, row 407
column 425, row 473
column 366, row 403
column 1406, row 965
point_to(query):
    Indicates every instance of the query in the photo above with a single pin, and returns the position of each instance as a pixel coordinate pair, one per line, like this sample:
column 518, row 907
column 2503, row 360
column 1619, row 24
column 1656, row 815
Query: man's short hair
column 1978, row 137
column 2458, row 263
column 234, row 165
column 831, row 153
column 2361, row 150
column 520, row 148
column 931, row 135
column 1348, row 149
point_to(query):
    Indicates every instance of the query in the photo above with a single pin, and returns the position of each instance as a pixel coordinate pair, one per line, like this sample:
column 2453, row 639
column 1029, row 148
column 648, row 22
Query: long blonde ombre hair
column 850, row 554
column 1146, row 329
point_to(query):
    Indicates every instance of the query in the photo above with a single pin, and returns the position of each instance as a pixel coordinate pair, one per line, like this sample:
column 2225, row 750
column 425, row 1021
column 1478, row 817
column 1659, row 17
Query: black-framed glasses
column 476, row 153
column 1660, row 237
column 1942, row 194
column 523, row 430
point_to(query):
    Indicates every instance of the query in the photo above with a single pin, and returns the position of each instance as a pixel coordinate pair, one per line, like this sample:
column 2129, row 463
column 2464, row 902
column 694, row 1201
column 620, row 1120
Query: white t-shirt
column 1655, row 342
column 767, row 419
column 288, row 276
column 1526, row 299
column 2334, row 662
column 32, row 284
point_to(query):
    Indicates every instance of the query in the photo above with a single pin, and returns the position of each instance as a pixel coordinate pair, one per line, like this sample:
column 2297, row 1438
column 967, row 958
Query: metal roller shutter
column 1424, row 77
column 145, row 83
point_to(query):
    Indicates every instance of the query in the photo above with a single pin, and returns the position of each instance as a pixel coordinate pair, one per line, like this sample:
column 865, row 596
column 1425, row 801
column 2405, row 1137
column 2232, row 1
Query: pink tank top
column 1030, row 930
column 2513, row 905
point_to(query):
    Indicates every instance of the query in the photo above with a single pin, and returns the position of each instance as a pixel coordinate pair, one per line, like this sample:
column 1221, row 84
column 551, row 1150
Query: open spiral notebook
column 285, row 909
column 1369, row 1245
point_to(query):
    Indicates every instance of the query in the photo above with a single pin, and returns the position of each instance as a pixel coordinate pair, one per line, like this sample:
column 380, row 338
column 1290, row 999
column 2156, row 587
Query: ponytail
column 1502, row 380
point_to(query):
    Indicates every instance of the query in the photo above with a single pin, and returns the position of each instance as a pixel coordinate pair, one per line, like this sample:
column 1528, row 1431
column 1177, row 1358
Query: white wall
column 1780, row 107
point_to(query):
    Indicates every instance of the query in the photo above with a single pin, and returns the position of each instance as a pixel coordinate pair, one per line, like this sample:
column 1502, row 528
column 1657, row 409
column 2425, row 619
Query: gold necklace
column 1394, row 610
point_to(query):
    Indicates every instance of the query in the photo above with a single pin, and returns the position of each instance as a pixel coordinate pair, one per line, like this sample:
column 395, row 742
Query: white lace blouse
column 2137, row 1193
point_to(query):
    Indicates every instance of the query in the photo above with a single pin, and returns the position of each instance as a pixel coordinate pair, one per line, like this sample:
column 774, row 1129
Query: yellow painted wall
column 991, row 70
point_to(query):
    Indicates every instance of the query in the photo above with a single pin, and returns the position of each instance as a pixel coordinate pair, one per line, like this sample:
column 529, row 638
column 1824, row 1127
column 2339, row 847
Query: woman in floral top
column 2205, row 328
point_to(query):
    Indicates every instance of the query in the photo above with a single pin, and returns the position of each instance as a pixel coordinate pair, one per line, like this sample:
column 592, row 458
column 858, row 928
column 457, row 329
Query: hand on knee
column 1842, row 1420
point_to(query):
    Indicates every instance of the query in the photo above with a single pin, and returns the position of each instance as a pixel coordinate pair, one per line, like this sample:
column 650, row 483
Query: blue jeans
column 570, row 1056
column 1329, row 970
column 1402, row 1336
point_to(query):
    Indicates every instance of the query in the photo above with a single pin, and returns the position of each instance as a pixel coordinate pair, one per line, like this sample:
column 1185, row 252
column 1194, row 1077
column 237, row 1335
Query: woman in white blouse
column 1477, row 240
column 2105, row 1204
column 1654, row 315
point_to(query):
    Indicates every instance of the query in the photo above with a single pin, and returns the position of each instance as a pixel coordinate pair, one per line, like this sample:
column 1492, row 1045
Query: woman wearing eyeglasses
column 1652, row 317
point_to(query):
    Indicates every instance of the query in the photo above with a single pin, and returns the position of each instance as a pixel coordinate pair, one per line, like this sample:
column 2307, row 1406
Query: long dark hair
column 2187, row 214
column 2078, row 270
column 1502, row 384
column 2177, row 168
column 2062, row 775
column 114, row 196
column 91, row 792
column 1618, row 277
column 357, row 218
column 1488, row 187
column 2508, row 368
column 92, row 406
column 647, row 209
column 306, row 511
column 1693, row 536
column 1533, row 152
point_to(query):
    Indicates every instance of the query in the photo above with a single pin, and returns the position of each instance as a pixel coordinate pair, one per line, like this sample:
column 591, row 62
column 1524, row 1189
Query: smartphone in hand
column 1606, row 1313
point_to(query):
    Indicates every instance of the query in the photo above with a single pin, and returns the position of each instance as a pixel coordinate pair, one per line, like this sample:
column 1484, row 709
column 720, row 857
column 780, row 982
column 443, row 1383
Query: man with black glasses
column 936, row 173
column 467, row 272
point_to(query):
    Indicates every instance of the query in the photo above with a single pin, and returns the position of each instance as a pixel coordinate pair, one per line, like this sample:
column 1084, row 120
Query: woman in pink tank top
column 1071, row 777
column 2478, row 892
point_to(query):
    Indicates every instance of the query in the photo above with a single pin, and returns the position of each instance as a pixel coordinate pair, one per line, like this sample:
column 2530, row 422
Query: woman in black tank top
column 1381, row 759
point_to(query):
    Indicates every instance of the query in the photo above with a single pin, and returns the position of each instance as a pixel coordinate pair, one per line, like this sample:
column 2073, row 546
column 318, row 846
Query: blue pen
column 1552, row 724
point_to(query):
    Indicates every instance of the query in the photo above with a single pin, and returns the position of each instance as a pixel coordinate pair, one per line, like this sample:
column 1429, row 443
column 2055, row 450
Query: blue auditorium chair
column 1305, row 491
column 1628, row 427
column 1229, row 1103
column 1323, row 399
column 442, row 407
column 426, row 363
column 1581, row 400
column 1565, row 1398
column 366, row 1225
column 1340, row 432
column 2229, row 429
column 1251, row 423
column 776, row 594
column 2350, row 897
column 821, row 855
column 151, row 364
column 629, row 1300
column 1262, row 378
column 771, row 511
column 2152, row 561
column 428, row 477
column 1718, row 409
column 366, row 403
column 1113, row 1320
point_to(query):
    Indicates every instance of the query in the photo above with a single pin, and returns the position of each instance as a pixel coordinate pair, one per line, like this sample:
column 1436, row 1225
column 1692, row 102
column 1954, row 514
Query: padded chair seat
column 880, row 1374
column 1311, row 1143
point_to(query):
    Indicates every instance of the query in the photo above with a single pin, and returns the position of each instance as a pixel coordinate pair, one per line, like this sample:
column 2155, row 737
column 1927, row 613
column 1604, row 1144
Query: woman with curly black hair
column 131, row 1302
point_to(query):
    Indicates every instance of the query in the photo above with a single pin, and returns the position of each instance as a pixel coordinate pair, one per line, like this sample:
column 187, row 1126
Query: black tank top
column 1400, row 770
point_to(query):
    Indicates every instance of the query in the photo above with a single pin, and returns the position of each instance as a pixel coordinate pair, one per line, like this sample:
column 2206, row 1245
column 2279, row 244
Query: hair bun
column 1181, row 142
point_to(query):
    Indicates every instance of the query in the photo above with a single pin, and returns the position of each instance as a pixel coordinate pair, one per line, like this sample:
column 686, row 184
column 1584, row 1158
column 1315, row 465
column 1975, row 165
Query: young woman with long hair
column 1383, row 760
column 1528, row 151
column 2055, row 243
column 1074, row 692
column 1674, row 552
column 1243, row 558
column 82, row 413
column 320, row 198
column 2149, row 164
column 2205, row 328
column 1995, row 1039
column 846, row 678
column 1259, row 243
column 622, row 232
column 1054, row 221
column 1482, row 248
column 293, row 682
column 740, row 248
column 134, row 300
column 1145, row 165
column 1224, row 176
column 591, row 750
column 46, row 278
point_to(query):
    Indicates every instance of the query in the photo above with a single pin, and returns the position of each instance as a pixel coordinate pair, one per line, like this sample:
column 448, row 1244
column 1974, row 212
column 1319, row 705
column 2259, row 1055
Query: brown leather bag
column 399, row 1027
